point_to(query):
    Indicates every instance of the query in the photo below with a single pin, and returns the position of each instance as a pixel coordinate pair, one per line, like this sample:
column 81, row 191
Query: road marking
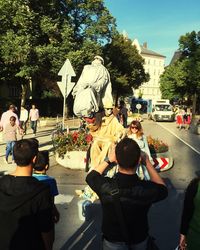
column 194, row 149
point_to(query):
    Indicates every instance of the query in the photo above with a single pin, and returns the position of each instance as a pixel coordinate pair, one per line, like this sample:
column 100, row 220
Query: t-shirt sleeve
column 95, row 181
column 54, row 189
column 44, row 213
column 188, row 206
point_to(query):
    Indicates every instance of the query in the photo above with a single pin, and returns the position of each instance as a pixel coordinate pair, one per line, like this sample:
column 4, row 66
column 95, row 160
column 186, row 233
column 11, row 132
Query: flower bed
column 156, row 145
column 71, row 141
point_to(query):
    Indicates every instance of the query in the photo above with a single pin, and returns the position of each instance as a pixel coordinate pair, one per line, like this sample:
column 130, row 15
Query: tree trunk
column 23, row 95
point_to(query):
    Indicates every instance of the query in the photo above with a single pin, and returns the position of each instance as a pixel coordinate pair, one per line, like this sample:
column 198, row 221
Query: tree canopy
column 37, row 36
column 182, row 78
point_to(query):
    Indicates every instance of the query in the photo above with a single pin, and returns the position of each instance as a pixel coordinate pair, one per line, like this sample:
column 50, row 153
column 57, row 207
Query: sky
column 157, row 22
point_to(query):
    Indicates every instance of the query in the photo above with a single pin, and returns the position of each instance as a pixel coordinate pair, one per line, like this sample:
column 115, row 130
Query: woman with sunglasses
column 135, row 132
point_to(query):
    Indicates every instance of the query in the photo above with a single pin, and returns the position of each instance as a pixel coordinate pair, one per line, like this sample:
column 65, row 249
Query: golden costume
column 108, row 133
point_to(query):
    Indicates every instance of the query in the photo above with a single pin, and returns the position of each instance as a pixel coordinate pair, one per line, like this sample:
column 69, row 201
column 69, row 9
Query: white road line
column 194, row 149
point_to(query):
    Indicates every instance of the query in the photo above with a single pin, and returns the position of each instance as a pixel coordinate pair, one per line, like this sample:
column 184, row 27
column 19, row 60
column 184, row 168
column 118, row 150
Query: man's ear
column 47, row 167
column 34, row 159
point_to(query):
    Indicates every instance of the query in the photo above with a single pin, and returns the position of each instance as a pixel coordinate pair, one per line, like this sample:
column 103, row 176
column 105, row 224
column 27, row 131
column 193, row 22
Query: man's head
column 99, row 58
column 33, row 106
column 127, row 153
column 108, row 107
column 12, row 108
column 42, row 161
column 25, row 151
column 12, row 120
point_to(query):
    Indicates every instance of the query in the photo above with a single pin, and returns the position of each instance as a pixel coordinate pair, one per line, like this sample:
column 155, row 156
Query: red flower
column 88, row 138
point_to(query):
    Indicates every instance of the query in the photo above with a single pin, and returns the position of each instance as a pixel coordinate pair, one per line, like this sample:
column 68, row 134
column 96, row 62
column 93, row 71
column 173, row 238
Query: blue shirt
column 50, row 181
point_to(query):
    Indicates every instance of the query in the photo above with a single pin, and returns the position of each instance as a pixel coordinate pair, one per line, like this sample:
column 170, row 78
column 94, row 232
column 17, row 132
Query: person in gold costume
column 105, row 132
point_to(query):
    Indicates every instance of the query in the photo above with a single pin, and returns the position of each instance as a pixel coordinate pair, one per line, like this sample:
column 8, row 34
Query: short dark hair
column 42, row 159
column 13, row 118
column 127, row 153
column 12, row 106
column 24, row 151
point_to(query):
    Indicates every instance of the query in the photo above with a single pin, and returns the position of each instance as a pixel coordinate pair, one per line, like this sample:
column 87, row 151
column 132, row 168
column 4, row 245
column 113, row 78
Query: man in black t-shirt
column 136, row 196
column 25, row 204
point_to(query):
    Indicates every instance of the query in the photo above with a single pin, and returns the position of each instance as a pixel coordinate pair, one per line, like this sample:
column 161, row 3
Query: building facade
column 154, row 65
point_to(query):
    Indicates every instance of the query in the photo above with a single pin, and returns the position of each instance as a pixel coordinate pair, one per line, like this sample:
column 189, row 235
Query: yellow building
column 154, row 65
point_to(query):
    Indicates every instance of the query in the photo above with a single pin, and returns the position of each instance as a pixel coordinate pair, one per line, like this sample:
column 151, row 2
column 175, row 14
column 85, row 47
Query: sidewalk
column 43, row 136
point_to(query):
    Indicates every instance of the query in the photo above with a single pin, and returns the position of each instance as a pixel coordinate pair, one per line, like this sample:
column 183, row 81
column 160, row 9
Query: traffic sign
column 66, row 72
column 161, row 164
column 66, row 85
column 138, row 106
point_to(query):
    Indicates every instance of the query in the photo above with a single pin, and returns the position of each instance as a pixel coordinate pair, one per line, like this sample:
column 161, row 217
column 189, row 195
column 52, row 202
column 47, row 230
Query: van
column 162, row 111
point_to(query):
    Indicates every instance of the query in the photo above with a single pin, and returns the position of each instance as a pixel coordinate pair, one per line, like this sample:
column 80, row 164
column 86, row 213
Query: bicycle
column 58, row 131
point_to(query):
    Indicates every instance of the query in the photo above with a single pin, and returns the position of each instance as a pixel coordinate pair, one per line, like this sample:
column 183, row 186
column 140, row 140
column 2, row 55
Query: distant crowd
column 11, row 125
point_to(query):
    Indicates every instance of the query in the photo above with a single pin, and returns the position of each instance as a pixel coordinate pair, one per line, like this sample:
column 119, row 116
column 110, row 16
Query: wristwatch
column 107, row 160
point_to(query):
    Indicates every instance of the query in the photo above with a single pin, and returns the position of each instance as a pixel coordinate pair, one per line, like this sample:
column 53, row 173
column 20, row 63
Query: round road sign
column 138, row 106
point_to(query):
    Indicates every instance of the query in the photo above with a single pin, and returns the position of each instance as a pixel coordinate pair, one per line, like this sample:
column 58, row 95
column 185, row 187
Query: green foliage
column 182, row 79
column 37, row 36
column 174, row 81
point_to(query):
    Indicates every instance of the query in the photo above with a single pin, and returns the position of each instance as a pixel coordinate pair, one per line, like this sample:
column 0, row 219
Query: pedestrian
column 23, row 118
column 34, row 117
column 126, row 199
column 179, row 119
column 25, row 204
column 41, row 167
column 190, row 221
column 105, row 131
column 5, row 118
column 123, row 113
column 10, row 137
column 187, row 118
column 136, row 133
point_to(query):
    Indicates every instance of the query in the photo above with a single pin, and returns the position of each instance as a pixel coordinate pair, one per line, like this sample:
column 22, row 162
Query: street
column 73, row 233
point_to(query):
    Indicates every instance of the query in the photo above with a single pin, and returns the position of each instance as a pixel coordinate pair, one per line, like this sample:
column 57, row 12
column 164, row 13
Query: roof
column 149, row 52
column 176, row 56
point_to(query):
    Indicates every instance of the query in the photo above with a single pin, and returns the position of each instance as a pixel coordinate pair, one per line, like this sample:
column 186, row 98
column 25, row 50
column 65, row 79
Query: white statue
column 92, row 89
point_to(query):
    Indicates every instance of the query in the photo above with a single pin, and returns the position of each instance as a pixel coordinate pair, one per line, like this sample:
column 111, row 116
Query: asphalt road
column 74, row 233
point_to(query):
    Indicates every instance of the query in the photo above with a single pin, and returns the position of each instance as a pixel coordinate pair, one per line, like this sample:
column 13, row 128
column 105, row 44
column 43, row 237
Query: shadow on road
column 164, row 221
column 88, row 236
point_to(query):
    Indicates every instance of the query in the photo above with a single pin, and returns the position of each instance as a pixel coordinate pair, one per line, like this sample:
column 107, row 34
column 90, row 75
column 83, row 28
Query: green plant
column 71, row 141
column 156, row 145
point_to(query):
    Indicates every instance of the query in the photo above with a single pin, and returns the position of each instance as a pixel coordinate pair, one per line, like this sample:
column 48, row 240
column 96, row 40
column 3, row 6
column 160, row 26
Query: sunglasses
column 134, row 127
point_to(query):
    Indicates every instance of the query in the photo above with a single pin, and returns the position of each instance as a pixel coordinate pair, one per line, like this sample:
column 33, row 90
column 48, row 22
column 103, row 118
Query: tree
column 182, row 78
column 125, row 65
column 190, row 48
column 37, row 36
column 173, row 82
column 34, row 37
